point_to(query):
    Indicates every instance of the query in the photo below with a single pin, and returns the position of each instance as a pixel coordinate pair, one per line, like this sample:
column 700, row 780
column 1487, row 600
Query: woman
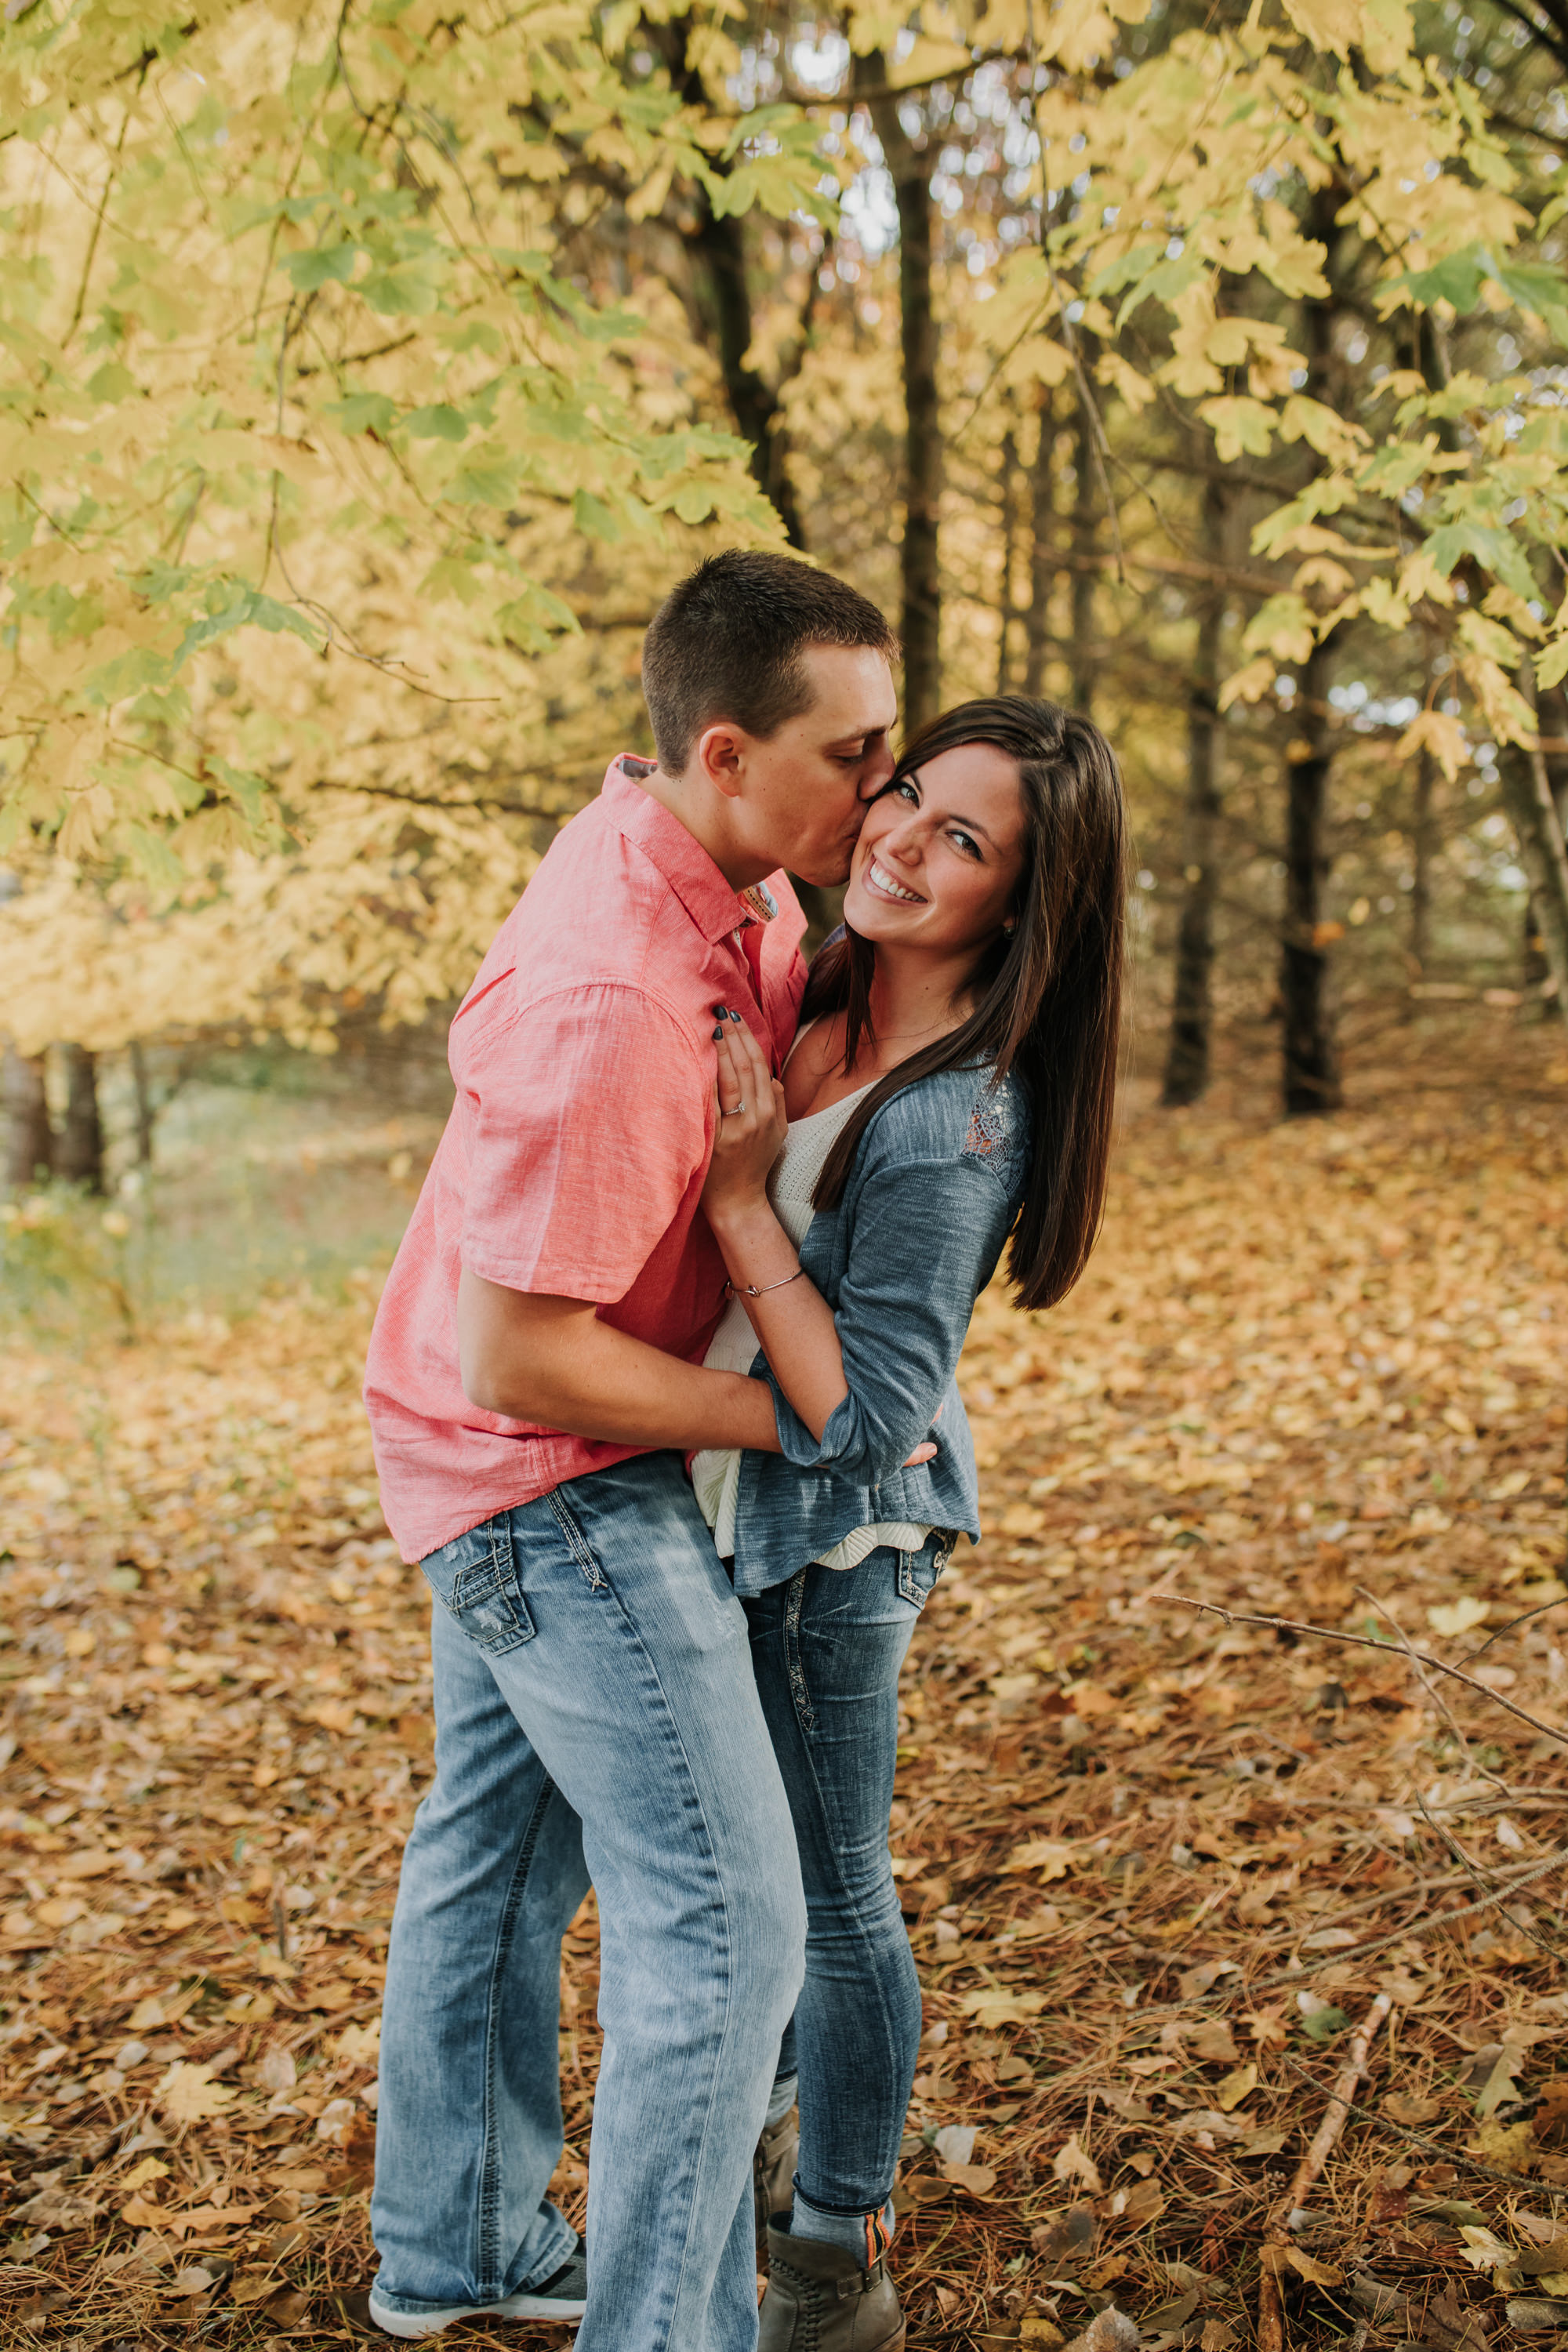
column 952, row 1085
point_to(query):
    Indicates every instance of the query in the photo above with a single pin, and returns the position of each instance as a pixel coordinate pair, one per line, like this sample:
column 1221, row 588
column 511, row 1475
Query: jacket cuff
column 795, row 1441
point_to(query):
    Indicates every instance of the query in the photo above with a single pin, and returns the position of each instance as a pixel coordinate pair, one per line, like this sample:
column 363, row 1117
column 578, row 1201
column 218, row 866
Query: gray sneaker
column 562, row 2296
column 772, row 2173
column 820, row 2300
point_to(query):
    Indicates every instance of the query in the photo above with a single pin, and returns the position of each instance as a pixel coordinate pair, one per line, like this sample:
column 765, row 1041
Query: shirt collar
column 708, row 899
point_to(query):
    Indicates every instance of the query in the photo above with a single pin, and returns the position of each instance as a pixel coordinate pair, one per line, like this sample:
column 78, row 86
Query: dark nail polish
column 735, row 1017
column 717, row 1035
column 719, row 1012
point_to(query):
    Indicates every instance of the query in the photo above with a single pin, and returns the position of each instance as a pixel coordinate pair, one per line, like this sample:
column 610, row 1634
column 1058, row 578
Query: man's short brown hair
column 727, row 644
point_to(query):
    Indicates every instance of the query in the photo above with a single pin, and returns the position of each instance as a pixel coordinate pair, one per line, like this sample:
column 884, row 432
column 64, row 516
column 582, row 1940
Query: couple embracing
column 662, row 1393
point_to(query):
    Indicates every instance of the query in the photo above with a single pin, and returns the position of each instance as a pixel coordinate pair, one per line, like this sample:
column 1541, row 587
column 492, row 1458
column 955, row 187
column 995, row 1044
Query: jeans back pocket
column 918, row 1571
column 474, row 1577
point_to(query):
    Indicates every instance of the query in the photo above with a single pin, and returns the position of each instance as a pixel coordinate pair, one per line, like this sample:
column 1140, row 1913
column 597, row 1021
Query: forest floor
column 1158, row 1866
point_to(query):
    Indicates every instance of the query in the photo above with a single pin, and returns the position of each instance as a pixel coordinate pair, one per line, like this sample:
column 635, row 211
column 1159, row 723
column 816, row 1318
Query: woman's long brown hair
column 1046, row 997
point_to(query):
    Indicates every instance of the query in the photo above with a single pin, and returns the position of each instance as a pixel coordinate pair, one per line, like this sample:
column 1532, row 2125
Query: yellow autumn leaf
column 358, row 2045
column 149, row 2168
column 1453, row 1618
column 979, row 2179
column 1049, row 1856
column 1072, row 2161
column 1236, row 2087
column 1333, row 25
column 188, row 2094
column 997, row 2007
column 1441, row 734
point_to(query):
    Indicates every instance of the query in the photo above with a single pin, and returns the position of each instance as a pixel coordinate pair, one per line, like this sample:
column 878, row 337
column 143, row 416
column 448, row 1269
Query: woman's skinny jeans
column 826, row 1649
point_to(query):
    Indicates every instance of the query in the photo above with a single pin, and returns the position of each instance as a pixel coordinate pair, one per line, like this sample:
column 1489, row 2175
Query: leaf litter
column 1159, row 1868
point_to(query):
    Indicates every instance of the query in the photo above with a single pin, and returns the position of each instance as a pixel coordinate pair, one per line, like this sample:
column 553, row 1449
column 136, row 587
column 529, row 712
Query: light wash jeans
column 596, row 1718
column 826, row 1650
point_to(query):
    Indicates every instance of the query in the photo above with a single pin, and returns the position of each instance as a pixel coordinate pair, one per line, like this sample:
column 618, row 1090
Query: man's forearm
column 552, row 1361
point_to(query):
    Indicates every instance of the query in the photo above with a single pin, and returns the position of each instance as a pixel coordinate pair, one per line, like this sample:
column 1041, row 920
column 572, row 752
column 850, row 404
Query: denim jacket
column 931, row 1199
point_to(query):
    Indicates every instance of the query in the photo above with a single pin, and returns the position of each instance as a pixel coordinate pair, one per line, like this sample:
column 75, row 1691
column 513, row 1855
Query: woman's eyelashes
column 906, row 789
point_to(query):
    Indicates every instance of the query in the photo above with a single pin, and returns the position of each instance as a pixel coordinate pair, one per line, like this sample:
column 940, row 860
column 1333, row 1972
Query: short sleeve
column 586, row 1118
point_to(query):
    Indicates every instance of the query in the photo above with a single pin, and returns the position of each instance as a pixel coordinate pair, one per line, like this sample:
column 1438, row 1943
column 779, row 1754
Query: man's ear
column 722, row 756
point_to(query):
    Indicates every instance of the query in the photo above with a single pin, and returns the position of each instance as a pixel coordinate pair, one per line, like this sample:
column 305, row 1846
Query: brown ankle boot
column 772, row 2173
column 820, row 2300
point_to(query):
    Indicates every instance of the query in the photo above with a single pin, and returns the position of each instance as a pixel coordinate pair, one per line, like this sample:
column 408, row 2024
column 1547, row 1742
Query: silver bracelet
column 751, row 1290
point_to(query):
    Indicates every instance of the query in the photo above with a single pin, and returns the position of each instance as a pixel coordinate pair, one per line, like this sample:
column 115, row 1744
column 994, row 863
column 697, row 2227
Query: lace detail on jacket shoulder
column 996, row 1130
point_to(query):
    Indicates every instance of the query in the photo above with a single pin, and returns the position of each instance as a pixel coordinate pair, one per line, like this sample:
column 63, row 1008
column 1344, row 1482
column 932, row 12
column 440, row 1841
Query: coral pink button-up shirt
column 573, row 1162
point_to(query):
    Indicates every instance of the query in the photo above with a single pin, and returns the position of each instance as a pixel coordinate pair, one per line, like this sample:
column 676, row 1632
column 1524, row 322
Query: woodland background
column 366, row 375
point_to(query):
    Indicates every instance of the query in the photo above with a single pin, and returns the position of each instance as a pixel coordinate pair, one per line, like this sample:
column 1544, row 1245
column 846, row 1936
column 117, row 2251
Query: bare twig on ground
column 1348, row 1957
column 1440, row 2149
column 1364, row 1642
column 1271, row 2307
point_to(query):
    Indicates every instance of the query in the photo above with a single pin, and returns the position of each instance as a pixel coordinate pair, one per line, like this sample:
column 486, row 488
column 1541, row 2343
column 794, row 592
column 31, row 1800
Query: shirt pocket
column 474, row 1577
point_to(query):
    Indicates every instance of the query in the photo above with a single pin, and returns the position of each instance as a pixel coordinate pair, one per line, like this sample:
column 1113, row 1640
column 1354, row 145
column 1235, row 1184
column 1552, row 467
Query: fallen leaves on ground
column 1157, row 1864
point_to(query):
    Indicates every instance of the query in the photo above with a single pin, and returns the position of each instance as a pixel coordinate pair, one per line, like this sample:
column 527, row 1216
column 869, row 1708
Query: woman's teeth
column 884, row 881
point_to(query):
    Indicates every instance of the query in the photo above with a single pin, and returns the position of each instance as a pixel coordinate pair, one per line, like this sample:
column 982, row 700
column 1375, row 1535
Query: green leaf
column 327, row 265
column 1458, row 279
column 592, row 516
column 1163, row 284
column 693, row 503
column 1497, row 551
column 161, row 581
column 1544, row 291
column 152, row 854
column 536, row 608
column 112, row 382
column 452, row 577
column 251, row 792
column 1126, row 270
column 440, row 423
column 245, row 608
column 399, row 293
column 365, row 412
column 1324, row 2023
column 493, row 485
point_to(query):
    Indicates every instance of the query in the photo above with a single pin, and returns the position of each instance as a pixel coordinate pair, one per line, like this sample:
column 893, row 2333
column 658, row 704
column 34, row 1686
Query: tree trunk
column 1533, row 813
column 921, row 622
column 1311, row 1077
column 1424, row 843
column 1552, row 708
column 145, row 1113
column 1011, row 517
column 1084, row 548
column 1042, row 554
column 81, row 1141
column 720, row 245
column 1187, row 1055
column 30, row 1137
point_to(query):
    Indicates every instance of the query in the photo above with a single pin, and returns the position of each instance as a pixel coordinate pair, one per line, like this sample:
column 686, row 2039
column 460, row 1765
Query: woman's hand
column 751, row 1131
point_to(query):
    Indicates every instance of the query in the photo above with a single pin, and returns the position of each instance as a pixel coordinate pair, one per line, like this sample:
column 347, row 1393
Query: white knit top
column 715, row 1474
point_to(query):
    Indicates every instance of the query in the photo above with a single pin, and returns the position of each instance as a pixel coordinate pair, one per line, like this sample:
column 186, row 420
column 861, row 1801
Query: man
column 536, row 1359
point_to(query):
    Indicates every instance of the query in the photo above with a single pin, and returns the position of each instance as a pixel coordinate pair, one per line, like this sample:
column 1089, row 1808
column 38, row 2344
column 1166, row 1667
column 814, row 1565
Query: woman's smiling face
column 940, row 853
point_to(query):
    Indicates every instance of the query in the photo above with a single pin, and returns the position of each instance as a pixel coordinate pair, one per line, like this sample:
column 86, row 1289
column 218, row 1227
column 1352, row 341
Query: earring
column 1009, row 927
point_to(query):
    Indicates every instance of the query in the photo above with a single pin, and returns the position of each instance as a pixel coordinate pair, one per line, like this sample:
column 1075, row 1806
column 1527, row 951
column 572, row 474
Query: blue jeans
column 826, row 1649
column 594, row 1719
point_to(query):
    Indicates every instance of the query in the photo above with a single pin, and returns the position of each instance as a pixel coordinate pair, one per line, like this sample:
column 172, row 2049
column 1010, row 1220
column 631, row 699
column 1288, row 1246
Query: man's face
column 806, row 787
